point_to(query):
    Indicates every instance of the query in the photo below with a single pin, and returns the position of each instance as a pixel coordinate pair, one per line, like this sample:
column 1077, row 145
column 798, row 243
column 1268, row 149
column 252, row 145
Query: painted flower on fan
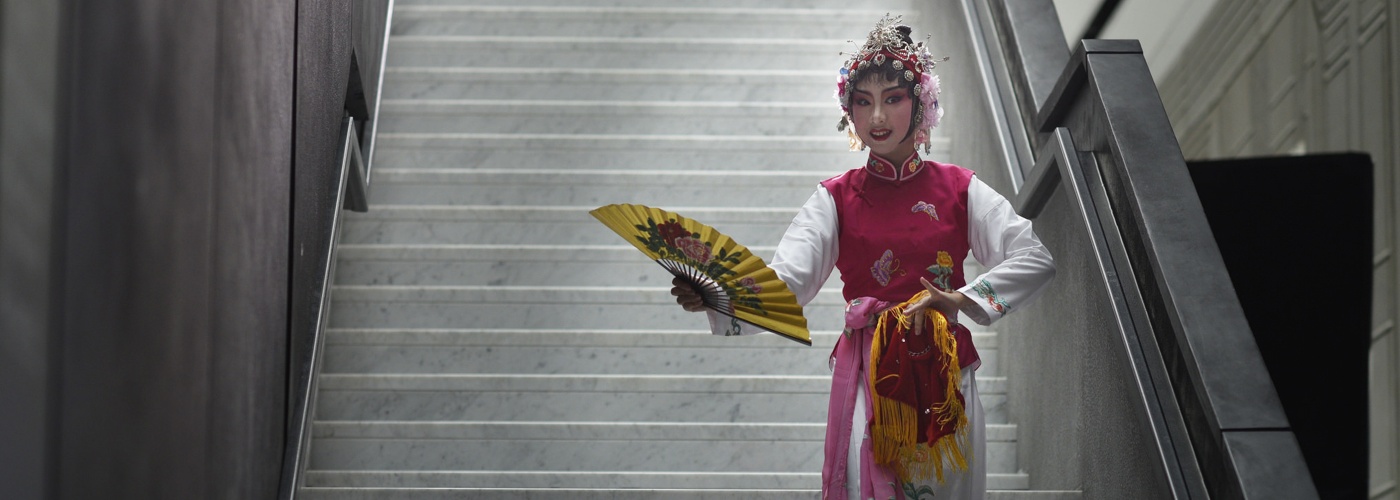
column 671, row 231
column 694, row 249
column 750, row 284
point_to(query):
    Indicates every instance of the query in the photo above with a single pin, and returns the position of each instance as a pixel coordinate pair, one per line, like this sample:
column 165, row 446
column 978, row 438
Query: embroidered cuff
column 990, row 306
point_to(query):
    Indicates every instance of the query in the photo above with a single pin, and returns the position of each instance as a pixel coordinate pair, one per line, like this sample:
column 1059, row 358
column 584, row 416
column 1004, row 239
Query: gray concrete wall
column 1080, row 415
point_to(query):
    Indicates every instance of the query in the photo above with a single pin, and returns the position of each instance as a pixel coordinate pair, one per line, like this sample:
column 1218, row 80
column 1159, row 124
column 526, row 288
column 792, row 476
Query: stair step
column 507, row 265
column 783, row 4
column 382, row 306
column 622, row 152
column 621, row 494
column 597, row 479
column 607, row 117
column 608, row 494
column 539, row 224
column 601, row 431
column 615, row 84
column 616, row 52
column 593, row 398
column 518, row 265
column 591, row 187
column 575, row 352
column 570, row 446
column 632, row 21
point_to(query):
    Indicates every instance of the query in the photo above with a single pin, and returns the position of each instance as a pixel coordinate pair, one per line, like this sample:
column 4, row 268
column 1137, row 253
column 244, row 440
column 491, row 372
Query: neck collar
column 883, row 169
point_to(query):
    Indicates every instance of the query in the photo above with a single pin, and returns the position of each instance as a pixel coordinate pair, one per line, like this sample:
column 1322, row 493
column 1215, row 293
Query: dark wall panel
column 136, row 350
column 177, row 208
column 251, row 245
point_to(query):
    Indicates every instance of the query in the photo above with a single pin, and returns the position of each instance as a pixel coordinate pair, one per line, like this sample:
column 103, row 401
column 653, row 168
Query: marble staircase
column 490, row 340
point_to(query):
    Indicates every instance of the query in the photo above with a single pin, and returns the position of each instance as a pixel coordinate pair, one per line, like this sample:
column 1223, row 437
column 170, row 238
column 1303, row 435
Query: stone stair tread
column 613, row 51
column 613, row 11
column 614, row 84
column 576, row 383
column 629, row 141
column 786, row 4
column 597, row 479
column 605, row 117
column 602, row 431
column 606, row 494
column 556, row 213
column 587, row 177
column 674, row 152
column 588, row 338
column 597, row 107
column 618, row 295
column 571, row 42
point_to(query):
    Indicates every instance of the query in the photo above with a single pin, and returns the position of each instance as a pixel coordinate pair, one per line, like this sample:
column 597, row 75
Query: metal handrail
column 356, row 160
column 1219, row 427
column 350, row 161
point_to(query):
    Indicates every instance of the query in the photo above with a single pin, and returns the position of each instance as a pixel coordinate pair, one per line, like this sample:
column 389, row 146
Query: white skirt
column 970, row 484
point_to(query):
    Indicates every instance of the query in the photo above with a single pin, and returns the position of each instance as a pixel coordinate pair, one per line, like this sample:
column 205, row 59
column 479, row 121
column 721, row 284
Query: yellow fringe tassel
column 894, row 426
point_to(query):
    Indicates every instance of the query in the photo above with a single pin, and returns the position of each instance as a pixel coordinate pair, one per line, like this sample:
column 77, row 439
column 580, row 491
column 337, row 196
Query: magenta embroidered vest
column 897, row 224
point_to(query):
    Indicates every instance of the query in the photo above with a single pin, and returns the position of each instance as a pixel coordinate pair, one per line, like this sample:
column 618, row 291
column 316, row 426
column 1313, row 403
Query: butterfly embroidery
column 886, row 267
column 925, row 208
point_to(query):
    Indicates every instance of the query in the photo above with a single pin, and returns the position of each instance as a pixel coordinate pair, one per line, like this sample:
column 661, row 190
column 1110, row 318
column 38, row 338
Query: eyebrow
column 882, row 91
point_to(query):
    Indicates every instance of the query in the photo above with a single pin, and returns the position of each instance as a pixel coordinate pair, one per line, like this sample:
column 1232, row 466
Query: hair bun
column 904, row 32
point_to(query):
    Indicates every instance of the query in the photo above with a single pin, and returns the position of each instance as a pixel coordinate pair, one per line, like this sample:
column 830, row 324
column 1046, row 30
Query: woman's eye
column 894, row 99
column 862, row 102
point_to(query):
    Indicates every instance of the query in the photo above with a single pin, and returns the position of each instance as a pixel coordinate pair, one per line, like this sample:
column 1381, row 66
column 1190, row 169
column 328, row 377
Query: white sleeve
column 1018, row 266
column 804, row 258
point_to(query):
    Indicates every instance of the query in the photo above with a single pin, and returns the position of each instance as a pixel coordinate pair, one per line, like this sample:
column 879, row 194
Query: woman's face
column 880, row 111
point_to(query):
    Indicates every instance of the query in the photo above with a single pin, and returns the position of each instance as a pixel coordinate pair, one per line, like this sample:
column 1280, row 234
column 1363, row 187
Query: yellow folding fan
column 731, row 279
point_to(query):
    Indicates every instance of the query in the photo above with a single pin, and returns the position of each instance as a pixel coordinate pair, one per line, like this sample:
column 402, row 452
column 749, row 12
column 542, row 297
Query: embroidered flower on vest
column 925, row 208
column 942, row 271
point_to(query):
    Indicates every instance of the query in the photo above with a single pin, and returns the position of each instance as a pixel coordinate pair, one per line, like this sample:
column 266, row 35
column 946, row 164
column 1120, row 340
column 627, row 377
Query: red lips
column 880, row 134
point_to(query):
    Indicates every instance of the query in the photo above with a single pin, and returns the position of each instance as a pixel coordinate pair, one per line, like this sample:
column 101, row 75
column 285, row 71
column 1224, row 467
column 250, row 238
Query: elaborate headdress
column 889, row 43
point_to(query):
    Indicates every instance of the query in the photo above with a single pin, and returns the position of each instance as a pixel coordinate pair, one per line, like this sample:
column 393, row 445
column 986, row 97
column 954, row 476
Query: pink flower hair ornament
column 889, row 43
